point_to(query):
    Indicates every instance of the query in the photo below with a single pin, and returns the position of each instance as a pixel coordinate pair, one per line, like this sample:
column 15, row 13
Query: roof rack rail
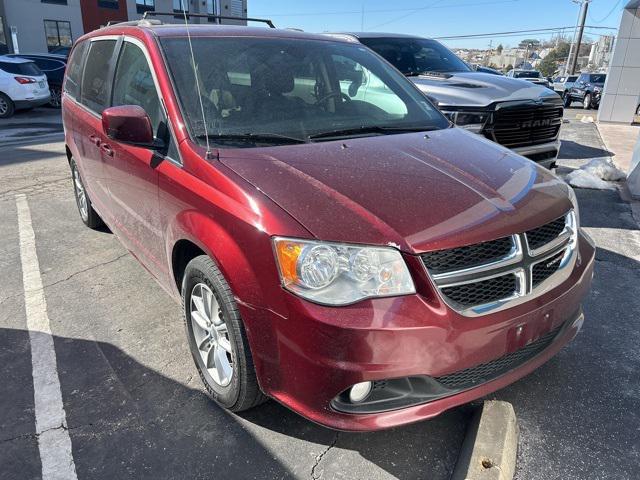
column 134, row 23
column 205, row 15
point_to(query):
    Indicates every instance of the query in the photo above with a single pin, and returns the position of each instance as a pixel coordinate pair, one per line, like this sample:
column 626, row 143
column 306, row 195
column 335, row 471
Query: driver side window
column 134, row 85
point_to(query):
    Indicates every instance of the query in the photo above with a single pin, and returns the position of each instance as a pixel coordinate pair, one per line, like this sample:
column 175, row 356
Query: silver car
column 518, row 114
column 562, row 84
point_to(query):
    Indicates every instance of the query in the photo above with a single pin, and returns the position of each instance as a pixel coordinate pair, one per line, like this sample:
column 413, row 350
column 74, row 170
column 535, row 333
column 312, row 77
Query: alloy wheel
column 586, row 103
column 211, row 334
column 4, row 107
column 81, row 195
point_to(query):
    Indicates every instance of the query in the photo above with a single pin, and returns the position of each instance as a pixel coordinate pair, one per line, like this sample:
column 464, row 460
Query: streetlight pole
column 583, row 18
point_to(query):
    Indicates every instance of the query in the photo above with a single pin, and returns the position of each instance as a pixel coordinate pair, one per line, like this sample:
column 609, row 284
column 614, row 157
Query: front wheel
column 586, row 103
column 88, row 215
column 217, row 338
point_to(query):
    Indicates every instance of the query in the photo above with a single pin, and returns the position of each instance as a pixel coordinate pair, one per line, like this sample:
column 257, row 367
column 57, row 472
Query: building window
column 145, row 6
column 3, row 39
column 211, row 9
column 113, row 4
column 57, row 2
column 180, row 5
column 58, row 34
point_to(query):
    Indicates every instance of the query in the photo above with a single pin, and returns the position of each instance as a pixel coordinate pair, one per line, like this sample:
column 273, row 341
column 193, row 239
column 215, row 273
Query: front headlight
column 339, row 274
column 574, row 202
column 472, row 121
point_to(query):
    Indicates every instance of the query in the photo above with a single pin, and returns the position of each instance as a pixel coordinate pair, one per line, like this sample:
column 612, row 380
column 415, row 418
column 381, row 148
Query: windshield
column 597, row 78
column 277, row 90
column 416, row 55
column 527, row 74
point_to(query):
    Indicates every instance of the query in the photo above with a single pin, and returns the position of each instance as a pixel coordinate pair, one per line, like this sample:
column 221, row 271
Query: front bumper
column 545, row 154
column 313, row 354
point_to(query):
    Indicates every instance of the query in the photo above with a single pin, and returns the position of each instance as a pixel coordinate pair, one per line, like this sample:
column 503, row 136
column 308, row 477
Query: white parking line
column 51, row 422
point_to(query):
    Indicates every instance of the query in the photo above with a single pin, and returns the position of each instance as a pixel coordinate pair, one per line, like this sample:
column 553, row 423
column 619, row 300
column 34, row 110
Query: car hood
column 475, row 89
column 417, row 191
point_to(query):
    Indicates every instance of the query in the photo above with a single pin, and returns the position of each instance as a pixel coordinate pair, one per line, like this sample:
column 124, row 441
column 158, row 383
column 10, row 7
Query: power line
column 383, row 10
column 517, row 32
column 608, row 14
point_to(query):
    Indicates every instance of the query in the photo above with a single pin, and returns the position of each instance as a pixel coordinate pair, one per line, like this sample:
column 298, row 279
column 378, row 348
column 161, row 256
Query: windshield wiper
column 274, row 138
column 369, row 129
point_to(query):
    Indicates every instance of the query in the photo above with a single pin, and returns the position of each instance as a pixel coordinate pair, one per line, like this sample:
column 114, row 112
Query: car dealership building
column 621, row 98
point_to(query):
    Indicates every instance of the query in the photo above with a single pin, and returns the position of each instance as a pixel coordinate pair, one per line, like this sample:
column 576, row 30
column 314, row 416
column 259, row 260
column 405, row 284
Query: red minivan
column 337, row 245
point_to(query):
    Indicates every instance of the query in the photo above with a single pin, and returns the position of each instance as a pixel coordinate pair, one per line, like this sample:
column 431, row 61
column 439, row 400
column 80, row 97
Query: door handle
column 95, row 140
column 107, row 150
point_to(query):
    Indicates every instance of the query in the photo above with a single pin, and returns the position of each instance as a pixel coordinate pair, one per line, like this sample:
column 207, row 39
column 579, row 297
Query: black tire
column 56, row 96
column 567, row 100
column 89, row 217
column 638, row 111
column 587, row 102
column 243, row 391
column 7, row 107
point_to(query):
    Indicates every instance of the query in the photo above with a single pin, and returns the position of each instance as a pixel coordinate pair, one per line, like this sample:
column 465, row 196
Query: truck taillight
column 25, row 80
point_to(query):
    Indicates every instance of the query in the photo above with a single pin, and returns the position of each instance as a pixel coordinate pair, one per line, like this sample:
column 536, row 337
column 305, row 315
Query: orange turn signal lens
column 288, row 252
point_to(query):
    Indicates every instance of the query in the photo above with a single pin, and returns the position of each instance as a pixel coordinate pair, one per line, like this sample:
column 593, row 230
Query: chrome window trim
column 520, row 263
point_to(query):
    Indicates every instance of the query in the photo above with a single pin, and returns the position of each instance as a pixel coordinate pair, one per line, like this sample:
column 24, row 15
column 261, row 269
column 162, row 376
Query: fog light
column 359, row 392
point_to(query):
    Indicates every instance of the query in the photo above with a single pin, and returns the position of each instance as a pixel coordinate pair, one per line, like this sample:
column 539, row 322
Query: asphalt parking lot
column 135, row 407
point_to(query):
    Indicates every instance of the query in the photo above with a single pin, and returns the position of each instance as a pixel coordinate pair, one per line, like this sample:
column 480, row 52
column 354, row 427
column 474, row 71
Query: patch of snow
column 597, row 174
column 603, row 167
column 581, row 179
column 586, row 119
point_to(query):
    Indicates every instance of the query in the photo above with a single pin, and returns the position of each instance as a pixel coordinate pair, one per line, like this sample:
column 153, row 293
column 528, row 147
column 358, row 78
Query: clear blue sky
column 433, row 18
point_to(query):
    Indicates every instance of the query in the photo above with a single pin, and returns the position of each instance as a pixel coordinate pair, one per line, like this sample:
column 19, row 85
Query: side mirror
column 129, row 124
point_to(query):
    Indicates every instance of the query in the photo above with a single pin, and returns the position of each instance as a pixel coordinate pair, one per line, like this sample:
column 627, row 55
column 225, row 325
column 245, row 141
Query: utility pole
column 583, row 18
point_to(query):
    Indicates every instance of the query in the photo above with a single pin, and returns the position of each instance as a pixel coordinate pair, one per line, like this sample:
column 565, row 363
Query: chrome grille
column 543, row 270
column 540, row 236
column 525, row 124
column 476, row 282
column 469, row 256
column 469, row 294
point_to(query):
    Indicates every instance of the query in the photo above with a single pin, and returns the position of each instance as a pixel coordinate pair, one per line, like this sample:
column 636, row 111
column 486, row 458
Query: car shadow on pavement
column 126, row 420
column 571, row 150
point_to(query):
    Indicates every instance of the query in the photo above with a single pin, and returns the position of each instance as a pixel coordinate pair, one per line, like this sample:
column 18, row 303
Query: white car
column 22, row 85
column 563, row 84
column 532, row 76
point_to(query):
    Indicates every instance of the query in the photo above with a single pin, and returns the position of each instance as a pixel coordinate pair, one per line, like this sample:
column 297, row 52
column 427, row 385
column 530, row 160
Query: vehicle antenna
column 195, row 74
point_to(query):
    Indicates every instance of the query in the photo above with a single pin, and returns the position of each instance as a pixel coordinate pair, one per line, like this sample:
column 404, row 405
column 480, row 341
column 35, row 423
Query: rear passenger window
column 95, row 93
column 74, row 71
column 134, row 84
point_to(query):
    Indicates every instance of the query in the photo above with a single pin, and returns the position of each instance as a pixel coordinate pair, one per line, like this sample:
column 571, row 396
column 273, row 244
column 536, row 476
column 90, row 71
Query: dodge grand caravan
column 340, row 248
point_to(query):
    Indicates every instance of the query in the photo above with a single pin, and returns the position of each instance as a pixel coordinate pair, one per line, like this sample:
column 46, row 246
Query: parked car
column 513, row 113
column 22, row 85
column 53, row 67
column 587, row 89
column 532, row 76
column 64, row 51
column 562, row 84
column 334, row 243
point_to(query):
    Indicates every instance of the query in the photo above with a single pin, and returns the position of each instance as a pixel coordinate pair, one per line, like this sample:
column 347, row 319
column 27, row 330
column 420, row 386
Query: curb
column 490, row 446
